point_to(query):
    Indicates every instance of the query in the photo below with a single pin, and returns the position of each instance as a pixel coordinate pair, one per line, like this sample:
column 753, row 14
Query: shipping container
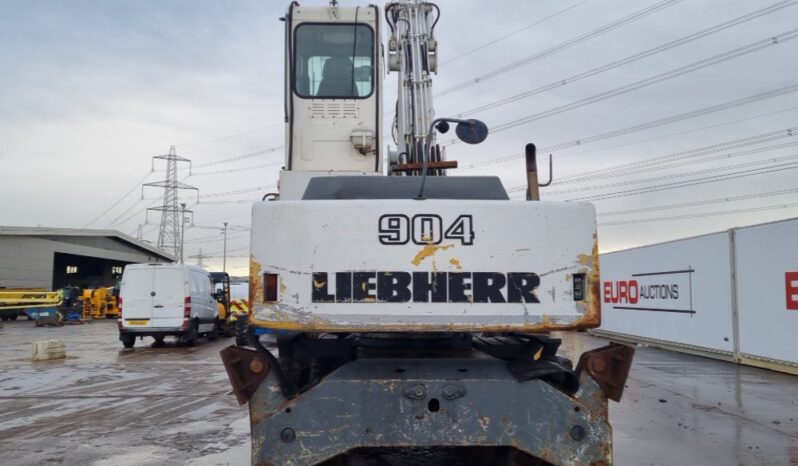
column 731, row 295
column 767, row 293
column 676, row 293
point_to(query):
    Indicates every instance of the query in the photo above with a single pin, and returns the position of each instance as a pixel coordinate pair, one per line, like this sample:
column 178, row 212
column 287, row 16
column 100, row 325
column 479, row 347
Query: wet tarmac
column 171, row 405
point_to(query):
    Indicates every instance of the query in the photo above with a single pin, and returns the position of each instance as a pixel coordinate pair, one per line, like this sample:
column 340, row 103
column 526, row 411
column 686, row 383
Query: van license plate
column 138, row 322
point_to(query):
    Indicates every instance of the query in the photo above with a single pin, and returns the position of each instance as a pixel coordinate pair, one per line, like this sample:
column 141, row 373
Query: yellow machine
column 100, row 303
column 19, row 301
column 233, row 313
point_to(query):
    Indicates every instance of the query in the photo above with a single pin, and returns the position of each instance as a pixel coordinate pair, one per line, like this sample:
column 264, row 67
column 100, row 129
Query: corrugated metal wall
column 27, row 261
column 732, row 295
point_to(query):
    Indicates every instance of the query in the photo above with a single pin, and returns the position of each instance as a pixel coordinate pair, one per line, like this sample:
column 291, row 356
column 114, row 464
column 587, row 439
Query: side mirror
column 472, row 131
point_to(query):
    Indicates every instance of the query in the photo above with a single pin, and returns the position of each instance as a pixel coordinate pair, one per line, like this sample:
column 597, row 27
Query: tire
column 127, row 340
column 213, row 335
column 190, row 337
column 241, row 327
column 13, row 316
column 159, row 340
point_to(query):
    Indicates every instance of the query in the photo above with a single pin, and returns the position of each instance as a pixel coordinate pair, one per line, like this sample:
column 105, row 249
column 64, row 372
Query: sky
column 90, row 91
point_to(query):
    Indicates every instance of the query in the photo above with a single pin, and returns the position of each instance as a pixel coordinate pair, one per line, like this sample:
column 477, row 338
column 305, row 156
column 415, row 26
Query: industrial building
column 41, row 257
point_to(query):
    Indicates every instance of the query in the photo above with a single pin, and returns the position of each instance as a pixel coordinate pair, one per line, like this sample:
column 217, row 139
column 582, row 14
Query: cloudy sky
column 91, row 90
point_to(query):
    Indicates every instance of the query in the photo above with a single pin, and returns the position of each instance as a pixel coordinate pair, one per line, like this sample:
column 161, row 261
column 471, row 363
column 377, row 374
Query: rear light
column 119, row 316
column 270, row 283
column 186, row 312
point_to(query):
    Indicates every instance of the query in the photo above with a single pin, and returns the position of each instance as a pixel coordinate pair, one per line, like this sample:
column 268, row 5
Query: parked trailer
column 731, row 295
column 766, row 280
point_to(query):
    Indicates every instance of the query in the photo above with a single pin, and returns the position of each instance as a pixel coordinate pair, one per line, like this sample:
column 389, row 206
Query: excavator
column 409, row 313
column 232, row 312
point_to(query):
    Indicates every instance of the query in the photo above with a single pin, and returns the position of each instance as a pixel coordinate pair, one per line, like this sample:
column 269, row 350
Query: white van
column 157, row 300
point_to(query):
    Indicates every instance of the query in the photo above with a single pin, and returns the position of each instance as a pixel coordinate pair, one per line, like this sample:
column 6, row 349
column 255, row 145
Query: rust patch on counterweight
column 255, row 284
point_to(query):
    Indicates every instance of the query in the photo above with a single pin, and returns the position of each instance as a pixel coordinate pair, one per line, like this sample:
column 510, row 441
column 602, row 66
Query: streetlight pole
column 182, row 228
column 224, row 255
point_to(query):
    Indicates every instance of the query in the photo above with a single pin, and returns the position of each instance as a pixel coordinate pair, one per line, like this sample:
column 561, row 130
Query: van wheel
column 190, row 337
column 213, row 335
column 241, row 330
column 128, row 340
column 159, row 340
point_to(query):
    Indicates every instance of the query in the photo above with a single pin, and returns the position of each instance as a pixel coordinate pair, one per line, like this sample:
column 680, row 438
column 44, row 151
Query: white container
column 767, row 292
column 676, row 293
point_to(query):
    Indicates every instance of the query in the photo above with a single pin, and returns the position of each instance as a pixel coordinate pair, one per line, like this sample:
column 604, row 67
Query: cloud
column 91, row 90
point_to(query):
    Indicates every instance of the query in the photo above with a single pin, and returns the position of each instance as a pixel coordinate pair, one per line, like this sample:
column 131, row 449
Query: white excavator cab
column 333, row 91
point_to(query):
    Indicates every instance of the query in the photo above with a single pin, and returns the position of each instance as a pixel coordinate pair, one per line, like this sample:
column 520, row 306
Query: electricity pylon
column 171, row 221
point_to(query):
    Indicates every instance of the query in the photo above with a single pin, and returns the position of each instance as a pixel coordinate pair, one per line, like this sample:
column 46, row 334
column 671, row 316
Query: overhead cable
column 632, row 58
column 562, row 46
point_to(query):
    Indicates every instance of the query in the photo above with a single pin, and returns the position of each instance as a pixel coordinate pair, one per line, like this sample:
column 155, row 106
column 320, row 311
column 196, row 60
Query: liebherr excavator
column 411, row 309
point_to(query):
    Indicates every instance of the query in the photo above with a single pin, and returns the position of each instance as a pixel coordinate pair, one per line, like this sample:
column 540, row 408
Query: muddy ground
column 171, row 405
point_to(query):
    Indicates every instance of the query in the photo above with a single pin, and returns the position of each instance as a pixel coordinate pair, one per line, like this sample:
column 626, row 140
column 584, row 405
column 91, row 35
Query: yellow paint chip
column 429, row 250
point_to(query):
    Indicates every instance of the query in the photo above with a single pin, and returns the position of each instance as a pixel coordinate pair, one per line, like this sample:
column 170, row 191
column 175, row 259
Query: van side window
column 204, row 284
column 192, row 279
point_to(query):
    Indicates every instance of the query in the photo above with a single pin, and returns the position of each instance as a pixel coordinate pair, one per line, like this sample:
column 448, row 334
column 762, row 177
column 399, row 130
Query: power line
column 671, row 164
column 235, row 201
column 630, row 167
column 645, row 170
column 702, row 215
column 216, row 227
column 779, row 92
column 714, row 60
column 119, row 200
column 217, row 238
column 563, row 45
column 230, row 136
column 632, row 58
column 242, row 169
column 687, row 183
column 719, row 200
column 680, row 133
column 680, row 175
column 125, row 212
column 236, row 158
column 528, row 26
column 238, row 191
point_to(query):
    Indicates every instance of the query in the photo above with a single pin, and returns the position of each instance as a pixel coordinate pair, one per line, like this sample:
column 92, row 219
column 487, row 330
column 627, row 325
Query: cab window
column 333, row 61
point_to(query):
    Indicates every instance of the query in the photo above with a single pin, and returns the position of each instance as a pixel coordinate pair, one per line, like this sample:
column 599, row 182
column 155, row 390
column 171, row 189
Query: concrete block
column 45, row 350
